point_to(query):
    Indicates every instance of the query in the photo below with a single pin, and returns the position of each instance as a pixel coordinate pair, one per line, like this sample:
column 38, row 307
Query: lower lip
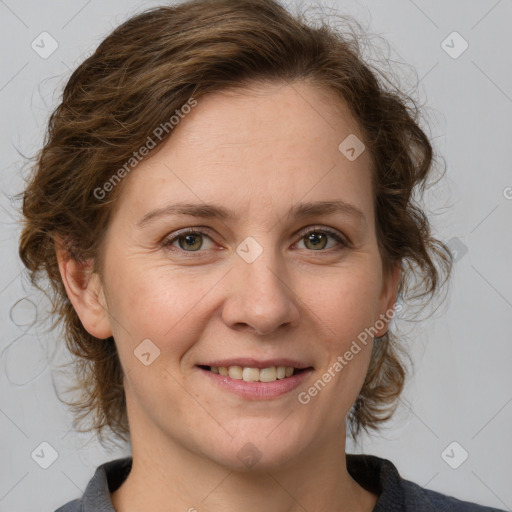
column 258, row 390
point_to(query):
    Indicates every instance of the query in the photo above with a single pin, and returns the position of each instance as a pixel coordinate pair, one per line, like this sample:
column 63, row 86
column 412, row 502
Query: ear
column 85, row 291
column 388, row 298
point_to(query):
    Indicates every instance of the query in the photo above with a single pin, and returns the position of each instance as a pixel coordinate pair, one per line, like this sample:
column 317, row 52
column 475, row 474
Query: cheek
column 147, row 303
column 344, row 312
column 344, row 304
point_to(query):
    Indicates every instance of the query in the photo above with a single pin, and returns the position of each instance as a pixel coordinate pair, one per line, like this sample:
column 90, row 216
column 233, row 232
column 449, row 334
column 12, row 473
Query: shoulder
column 72, row 506
column 397, row 494
column 419, row 499
column 107, row 478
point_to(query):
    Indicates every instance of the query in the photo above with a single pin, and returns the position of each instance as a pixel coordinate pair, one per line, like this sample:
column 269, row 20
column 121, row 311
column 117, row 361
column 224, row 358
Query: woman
column 223, row 208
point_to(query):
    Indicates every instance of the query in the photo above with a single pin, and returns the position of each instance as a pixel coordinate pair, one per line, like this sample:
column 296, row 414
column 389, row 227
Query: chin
column 260, row 449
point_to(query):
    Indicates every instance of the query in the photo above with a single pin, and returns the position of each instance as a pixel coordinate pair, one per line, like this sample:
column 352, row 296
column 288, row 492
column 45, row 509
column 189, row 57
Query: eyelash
column 167, row 242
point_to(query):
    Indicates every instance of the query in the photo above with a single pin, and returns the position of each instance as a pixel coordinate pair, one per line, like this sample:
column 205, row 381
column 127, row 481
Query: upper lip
column 250, row 362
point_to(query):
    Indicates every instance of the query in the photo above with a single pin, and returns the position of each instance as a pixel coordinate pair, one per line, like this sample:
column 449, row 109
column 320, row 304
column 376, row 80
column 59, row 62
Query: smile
column 256, row 383
column 248, row 374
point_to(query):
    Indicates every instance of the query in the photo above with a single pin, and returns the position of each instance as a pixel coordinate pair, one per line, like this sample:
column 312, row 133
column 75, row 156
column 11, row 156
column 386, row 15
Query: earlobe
column 85, row 291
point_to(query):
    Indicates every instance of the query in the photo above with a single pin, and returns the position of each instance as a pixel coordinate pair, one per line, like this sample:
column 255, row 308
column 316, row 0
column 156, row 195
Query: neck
column 166, row 477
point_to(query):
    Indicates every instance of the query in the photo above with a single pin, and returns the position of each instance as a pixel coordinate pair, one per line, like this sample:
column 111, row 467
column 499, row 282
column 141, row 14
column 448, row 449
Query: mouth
column 256, row 380
column 252, row 374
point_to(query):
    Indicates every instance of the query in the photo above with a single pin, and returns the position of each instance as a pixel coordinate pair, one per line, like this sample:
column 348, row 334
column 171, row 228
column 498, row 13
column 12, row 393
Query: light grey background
column 462, row 385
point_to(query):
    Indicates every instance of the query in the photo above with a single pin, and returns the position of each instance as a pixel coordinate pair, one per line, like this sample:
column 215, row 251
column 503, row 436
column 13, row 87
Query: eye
column 316, row 238
column 189, row 240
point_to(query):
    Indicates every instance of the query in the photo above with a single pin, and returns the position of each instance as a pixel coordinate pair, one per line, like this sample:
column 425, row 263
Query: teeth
column 251, row 374
column 235, row 372
column 269, row 374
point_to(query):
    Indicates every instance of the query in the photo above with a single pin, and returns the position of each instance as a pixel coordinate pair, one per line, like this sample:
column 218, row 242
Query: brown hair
column 137, row 78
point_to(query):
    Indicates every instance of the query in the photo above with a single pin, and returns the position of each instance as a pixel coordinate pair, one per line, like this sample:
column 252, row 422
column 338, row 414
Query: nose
column 261, row 298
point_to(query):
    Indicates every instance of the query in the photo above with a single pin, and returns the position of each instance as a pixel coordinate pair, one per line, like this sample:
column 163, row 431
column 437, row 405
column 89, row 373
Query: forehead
column 295, row 116
column 265, row 145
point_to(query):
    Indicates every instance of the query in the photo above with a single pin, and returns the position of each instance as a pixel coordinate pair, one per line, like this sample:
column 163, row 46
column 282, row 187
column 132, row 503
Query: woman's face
column 250, row 289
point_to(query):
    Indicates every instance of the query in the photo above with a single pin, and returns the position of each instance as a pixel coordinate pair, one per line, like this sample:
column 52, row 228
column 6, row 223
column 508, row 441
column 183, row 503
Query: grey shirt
column 377, row 475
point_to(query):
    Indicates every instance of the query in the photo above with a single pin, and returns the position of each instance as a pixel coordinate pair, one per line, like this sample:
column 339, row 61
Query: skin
column 257, row 151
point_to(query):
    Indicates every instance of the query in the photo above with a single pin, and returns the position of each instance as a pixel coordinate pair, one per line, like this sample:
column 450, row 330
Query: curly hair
column 139, row 76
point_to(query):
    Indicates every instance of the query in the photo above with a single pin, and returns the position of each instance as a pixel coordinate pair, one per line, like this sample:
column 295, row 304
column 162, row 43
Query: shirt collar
column 376, row 475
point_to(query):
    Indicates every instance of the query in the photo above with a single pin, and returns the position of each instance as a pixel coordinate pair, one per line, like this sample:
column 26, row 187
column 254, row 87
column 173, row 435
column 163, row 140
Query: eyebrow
column 213, row 211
